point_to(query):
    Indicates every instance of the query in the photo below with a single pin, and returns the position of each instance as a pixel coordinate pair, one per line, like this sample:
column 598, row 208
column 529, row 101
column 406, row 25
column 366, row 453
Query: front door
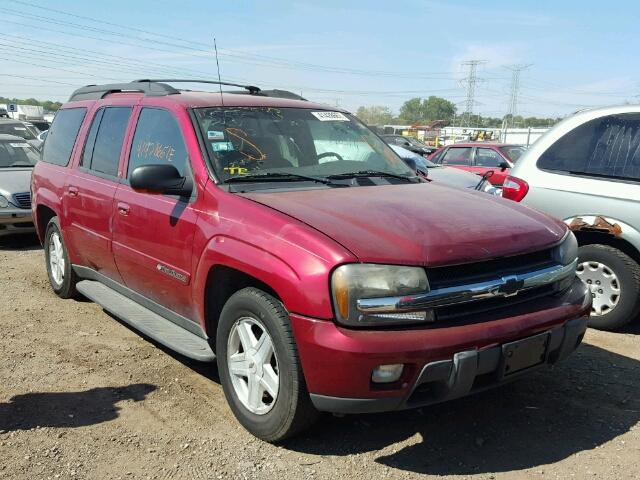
column 90, row 190
column 153, row 234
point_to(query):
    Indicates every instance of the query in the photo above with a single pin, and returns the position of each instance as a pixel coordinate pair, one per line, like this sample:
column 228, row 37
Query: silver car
column 17, row 159
column 586, row 171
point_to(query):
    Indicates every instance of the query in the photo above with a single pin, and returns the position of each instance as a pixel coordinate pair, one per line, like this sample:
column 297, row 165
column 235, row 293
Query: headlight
column 352, row 282
column 4, row 203
column 567, row 251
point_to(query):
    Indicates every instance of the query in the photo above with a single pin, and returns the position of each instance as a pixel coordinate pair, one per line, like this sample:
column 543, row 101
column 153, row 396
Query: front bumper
column 440, row 363
column 15, row 220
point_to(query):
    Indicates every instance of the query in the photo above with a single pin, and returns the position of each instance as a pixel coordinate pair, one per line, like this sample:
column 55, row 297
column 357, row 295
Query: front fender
column 303, row 288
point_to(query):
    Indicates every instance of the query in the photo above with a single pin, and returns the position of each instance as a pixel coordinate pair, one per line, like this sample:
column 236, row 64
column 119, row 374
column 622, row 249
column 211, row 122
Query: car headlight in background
column 4, row 203
column 567, row 251
column 356, row 281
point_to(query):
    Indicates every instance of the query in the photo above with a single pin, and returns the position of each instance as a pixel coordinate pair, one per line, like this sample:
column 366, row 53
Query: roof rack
column 274, row 93
column 147, row 86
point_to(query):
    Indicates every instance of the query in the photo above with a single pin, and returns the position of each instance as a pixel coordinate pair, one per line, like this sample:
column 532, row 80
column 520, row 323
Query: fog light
column 387, row 373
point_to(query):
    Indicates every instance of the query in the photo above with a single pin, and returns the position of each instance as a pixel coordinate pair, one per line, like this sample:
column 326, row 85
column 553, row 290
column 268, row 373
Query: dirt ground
column 82, row 396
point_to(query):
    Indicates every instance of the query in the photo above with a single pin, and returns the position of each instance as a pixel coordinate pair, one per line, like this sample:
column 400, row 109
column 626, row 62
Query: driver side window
column 332, row 137
column 158, row 141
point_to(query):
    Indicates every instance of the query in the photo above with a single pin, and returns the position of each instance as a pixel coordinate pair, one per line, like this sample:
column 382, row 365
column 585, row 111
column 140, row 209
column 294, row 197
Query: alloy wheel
column 253, row 365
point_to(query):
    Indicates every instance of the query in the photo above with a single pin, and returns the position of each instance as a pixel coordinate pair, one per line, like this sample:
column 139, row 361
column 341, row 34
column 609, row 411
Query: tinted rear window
column 608, row 146
column 62, row 135
column 109, row 139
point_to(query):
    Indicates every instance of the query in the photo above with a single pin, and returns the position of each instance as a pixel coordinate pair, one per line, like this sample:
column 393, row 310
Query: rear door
column 90, row 190
column 487, row 159
column 153, row 234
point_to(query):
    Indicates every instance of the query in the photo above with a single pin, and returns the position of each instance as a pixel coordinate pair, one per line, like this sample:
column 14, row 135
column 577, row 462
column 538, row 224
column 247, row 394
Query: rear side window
column 104, row 142
column 457, row 156
column 604, row 147
column 158, row 141
column 62, row 136
column 487, row 157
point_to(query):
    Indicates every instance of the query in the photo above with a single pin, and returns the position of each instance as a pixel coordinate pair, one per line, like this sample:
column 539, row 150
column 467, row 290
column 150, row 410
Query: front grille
column 23, row 200
column 449, row 276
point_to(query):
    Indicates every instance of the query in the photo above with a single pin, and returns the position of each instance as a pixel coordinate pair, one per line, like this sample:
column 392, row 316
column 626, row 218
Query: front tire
column 613, row 279
column 61, row 276
column 259, row 367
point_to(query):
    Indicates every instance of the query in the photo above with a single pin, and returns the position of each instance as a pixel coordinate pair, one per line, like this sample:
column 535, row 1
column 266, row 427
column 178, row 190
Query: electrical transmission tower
column 470, row 85
column 515, row 90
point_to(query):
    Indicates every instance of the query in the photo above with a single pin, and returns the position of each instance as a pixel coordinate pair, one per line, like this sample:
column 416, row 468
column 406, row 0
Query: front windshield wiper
column 279, row 177
column 370, row 173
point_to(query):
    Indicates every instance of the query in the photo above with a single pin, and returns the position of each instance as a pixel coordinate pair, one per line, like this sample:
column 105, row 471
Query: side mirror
column 163, row 179
column 503, row 166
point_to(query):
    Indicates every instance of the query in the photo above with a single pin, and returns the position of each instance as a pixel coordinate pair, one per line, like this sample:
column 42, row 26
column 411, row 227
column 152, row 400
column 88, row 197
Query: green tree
column 375, row 115
column 437, row 108
column 418, row 110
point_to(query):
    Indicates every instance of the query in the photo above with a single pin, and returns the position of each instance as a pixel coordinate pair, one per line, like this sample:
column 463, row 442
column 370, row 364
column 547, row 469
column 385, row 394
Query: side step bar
column 144, row 320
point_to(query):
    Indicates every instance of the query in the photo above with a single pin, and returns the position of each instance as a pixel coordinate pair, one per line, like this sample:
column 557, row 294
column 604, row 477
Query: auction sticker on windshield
column 330, row 116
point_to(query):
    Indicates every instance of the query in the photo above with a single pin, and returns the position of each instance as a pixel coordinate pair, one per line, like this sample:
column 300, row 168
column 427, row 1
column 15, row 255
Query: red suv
column 480, row 158
column 275, row 236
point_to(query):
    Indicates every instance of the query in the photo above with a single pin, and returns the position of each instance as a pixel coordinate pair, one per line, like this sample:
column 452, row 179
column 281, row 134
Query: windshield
column 513, row 153
column 244, row 141
column 17, row 154
column 17, row 129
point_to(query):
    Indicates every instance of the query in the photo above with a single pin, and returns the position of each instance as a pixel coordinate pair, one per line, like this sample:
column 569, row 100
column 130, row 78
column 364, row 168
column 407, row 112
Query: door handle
column 73, row 191
column 123, row 209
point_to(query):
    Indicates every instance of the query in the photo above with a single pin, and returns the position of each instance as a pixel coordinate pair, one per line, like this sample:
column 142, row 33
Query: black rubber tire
column 293, row 411
column 68, row 287
column 628, row 272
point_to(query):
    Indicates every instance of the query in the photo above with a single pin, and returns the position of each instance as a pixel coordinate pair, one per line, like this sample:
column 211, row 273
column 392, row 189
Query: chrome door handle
column 123, row 209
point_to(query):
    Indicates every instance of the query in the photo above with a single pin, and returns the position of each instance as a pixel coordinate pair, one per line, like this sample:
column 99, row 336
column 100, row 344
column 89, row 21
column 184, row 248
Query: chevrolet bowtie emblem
column 511, row 285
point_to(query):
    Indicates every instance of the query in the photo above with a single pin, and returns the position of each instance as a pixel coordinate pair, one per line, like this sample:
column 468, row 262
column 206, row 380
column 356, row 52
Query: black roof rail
column 149, row 87
column 95, row 92
column 250, row 88
column 275, row 93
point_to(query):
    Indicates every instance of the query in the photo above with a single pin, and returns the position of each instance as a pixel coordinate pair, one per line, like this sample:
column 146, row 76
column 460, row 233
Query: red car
column 480, row 158
column 286, row 241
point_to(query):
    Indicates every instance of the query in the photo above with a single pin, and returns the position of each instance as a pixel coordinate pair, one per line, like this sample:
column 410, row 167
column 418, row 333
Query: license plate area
column 526, row 353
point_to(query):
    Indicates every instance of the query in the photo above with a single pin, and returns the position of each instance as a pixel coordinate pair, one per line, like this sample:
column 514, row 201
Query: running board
column 145, row 321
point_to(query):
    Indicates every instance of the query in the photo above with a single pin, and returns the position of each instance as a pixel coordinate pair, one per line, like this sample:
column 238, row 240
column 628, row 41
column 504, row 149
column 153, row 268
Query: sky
column 578, row 54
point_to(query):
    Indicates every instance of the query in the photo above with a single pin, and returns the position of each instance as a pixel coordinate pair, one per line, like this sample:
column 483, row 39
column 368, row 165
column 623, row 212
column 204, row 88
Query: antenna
column 215, row 47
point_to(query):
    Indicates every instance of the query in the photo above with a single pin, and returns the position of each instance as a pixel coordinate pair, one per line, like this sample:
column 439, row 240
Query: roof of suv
column 254, row 97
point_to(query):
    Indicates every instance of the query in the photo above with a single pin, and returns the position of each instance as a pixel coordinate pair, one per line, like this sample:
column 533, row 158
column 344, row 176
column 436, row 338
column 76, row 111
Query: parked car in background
column 447, row 175
column 17, row 159
column 286, row 241
column 41, row 125
column 410, row 143
column 586, row 171
column 479, row 158
column 24, row 130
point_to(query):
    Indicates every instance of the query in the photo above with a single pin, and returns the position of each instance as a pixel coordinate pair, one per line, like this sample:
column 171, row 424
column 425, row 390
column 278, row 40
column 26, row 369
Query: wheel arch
column 222, row 282
column 598, row 229
column 43, row 214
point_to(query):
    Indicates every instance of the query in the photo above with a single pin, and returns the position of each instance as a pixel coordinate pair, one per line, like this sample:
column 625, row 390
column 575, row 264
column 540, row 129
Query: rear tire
column 61, row 275
column 282, row 407
column 616, row 299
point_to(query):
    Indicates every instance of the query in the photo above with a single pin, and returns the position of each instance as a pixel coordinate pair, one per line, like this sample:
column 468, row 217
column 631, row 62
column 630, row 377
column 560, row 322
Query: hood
column 454, row 177
column 15, row 180
column 418, row 224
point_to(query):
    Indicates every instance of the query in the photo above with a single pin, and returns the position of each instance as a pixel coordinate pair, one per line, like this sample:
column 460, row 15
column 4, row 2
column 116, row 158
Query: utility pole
column 515, row 90
column 470, row 85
